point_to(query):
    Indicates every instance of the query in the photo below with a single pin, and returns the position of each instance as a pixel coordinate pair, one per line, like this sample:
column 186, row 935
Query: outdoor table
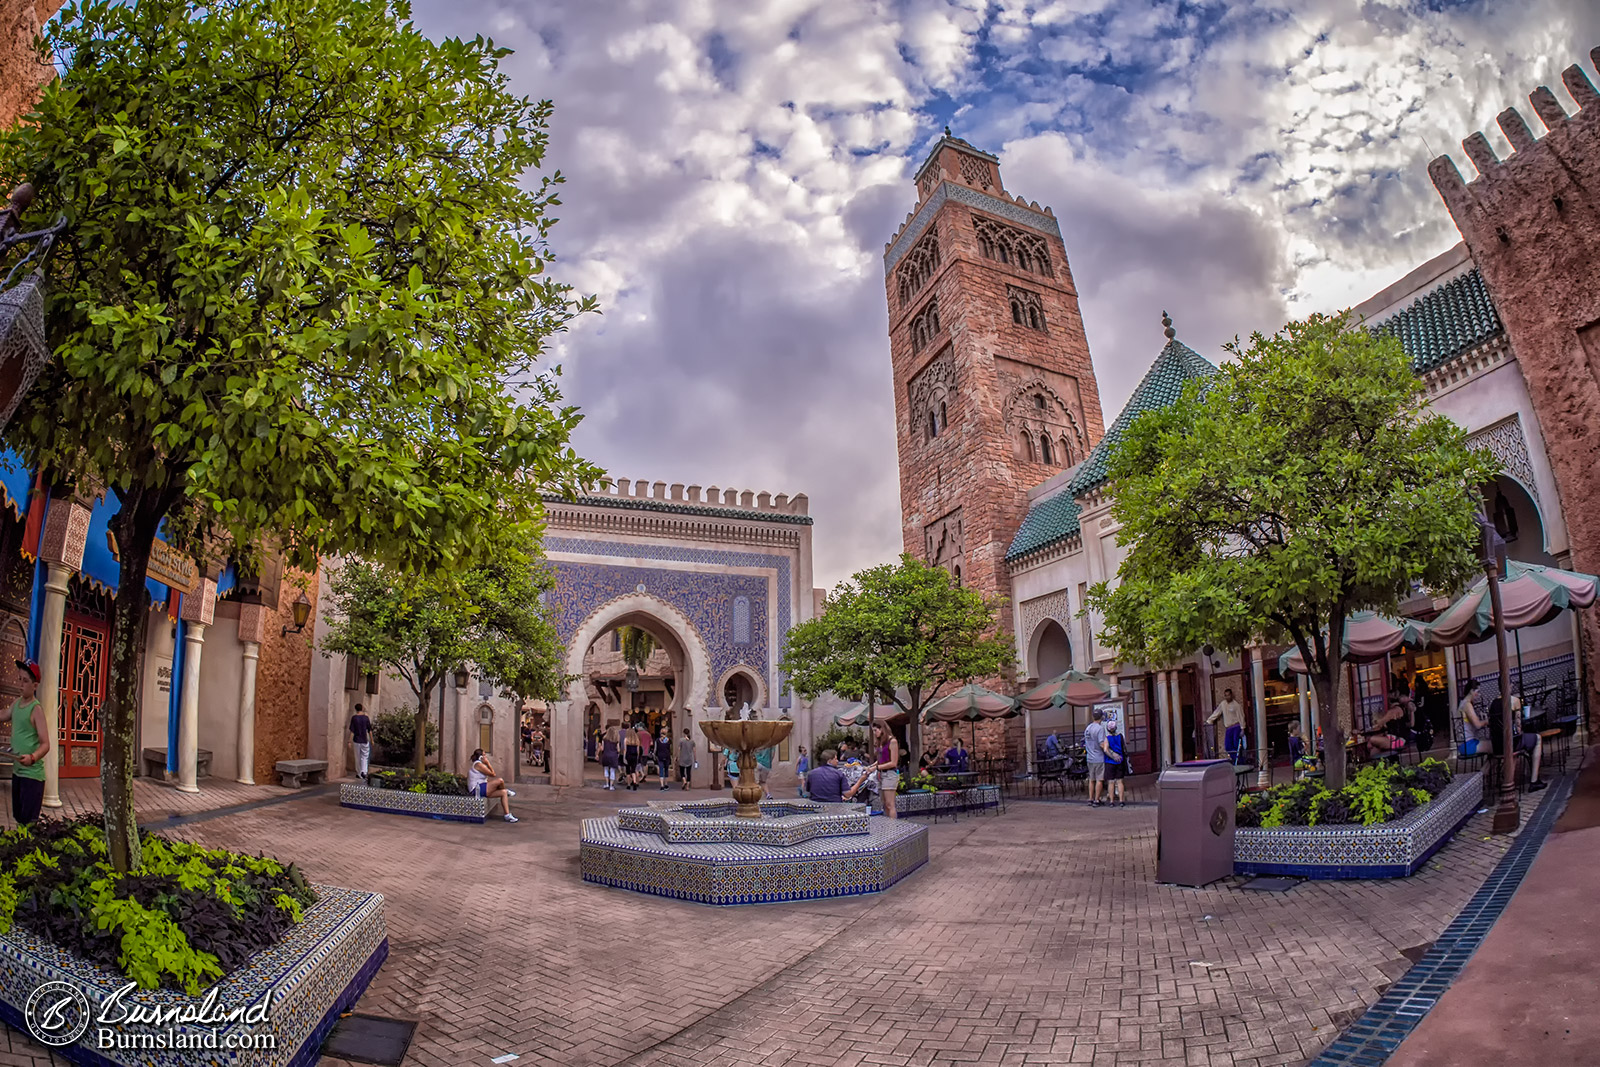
column 954, row 779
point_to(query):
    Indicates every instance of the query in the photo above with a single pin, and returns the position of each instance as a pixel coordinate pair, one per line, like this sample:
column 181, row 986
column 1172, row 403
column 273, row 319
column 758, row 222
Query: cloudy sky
column 735, row 166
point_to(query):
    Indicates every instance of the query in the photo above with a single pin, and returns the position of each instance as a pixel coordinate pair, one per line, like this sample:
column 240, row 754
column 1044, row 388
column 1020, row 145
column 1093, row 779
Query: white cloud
column 736, row 165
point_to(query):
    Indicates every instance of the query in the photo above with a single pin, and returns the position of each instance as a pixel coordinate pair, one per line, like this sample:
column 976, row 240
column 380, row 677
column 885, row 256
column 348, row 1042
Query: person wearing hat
column 1116, row 766
column 30, row 742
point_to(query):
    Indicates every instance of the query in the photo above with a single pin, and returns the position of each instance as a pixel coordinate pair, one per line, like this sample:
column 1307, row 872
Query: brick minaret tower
column 994, row 392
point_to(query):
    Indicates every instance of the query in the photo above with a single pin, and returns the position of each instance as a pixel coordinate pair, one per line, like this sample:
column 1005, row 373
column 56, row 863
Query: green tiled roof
column 1446, row 322
column 1055, row 518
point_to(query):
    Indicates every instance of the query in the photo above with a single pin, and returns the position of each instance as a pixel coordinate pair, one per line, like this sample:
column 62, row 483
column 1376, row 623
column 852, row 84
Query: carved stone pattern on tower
column 701, row 603
column 1026, row 420
column 945, row 540
column 919, row 267
column 1009, row 245
column 930, row 388
column 962, row 194
column 929, row 181
column 1027, row 309
column 1506, row 442
column 1050, row 606
column 975, row 172
column 925, row 325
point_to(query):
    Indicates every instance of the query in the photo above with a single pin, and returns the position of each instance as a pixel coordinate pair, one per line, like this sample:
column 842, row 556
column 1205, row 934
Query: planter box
column 319, row 970
column 977, row 798
column 421, row 805
column 1388, row 850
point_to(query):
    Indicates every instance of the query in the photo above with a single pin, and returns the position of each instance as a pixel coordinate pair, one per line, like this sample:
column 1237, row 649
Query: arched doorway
column 1050, row 651
column 680, row 665
column 740, row 687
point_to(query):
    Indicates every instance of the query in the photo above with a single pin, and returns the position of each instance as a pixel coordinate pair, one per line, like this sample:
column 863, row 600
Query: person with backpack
column 803, row 768
column 664, row 757
column 1116, row 765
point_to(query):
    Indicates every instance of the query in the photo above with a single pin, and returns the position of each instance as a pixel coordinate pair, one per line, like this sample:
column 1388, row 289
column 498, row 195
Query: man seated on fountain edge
column 829, row 787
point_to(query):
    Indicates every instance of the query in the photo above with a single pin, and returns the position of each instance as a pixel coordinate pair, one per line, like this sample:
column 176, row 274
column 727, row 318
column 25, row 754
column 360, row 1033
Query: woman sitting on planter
column 1391, row 730
column 481, row 782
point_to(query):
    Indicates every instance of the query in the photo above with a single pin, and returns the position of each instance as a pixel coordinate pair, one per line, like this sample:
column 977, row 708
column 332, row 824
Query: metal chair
column 1052, row 774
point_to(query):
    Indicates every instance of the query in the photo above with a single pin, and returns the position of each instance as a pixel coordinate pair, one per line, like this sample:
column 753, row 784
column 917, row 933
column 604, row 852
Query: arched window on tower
column 1044, row 449
column 933, row 425
column 943, row 418
column 1066, row 452
column 958, row 574
column 1038, row 401
column 1016, row 313
column 1033, row 318
column 1027, row 439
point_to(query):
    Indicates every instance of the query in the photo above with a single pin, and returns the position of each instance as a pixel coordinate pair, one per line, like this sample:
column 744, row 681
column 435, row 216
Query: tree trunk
column 419, row 751
column 1330, row 692
column 135, row 526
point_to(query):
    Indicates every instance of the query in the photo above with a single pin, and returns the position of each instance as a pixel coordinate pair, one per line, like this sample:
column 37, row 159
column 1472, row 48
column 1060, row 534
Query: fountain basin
column 736, row 872
column 782, row 822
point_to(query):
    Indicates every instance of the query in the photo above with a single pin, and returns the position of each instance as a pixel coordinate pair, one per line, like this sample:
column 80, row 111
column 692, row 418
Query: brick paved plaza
column 1034, row 937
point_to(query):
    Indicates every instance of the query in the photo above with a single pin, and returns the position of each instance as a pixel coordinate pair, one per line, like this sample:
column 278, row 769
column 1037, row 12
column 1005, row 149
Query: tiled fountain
column 742, row 851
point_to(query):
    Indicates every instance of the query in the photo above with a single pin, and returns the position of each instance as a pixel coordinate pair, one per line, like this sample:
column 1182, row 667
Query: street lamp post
column 1507, row 814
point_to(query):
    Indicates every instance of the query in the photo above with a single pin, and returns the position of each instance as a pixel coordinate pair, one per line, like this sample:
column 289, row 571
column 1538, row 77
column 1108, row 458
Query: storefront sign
column 167, row 565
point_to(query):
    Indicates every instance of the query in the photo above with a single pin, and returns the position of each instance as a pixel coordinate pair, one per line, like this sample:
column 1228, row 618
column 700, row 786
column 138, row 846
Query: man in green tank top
column 31, row 744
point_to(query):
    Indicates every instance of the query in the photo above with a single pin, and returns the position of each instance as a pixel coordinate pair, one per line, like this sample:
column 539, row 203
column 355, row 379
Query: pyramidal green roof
column 1445, row 322
column 1055, row 518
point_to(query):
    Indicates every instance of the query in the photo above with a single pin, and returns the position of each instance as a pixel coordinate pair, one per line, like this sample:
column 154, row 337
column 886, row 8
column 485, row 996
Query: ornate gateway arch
column 717, row 577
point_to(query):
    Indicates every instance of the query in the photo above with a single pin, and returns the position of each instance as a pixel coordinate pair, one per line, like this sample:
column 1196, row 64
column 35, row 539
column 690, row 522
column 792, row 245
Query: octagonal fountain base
column 798, row 850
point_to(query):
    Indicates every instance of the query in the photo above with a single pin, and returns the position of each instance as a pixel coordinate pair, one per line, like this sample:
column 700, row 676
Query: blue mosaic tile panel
column 318, row 971
column 1388, row 850
column 738, row 873
column 420, row 805
column 706, row 600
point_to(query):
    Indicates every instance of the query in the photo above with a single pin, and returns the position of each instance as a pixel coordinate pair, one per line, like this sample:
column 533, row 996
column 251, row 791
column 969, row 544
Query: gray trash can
column 1194, row 844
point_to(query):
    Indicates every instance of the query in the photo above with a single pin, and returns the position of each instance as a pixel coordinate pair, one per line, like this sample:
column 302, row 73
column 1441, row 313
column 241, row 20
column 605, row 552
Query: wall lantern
column 461, row 676
column 633, row 680
column 302, row 615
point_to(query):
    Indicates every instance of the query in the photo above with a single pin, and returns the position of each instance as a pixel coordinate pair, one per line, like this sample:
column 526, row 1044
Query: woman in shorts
column 888, row 766
column 1116, row 766
column 482, row 782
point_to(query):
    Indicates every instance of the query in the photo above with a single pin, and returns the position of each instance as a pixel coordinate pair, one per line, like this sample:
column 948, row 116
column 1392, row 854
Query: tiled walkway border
column 1371, row 1039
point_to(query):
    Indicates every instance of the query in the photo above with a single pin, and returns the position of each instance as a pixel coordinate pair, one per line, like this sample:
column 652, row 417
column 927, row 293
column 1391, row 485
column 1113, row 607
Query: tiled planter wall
column 317, row 972
column 1388, row 850
column 421, row 805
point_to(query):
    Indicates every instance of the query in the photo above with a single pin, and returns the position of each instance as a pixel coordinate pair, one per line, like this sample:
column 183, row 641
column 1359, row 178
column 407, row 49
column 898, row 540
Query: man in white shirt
column 1232, row 716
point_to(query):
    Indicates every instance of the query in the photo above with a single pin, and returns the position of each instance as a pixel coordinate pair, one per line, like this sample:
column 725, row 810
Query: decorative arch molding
column 1506, row 442
column 1056, row 420
column 930, row 395
column 692, row 657
column 757, row 685
column 1052, row 607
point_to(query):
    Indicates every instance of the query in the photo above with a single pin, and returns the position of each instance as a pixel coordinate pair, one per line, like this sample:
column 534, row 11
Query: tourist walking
column 664, row 757
column 1094, row 753
column 30, row 742
column 631, row 755
column 888, row 766
column 803, row 768
column 685, row 757
column 1232, row 716
column 481, row 782
column 1116, row 766
column 610, row 743
column 361, row 738
column 764, row 771
column 537, row 744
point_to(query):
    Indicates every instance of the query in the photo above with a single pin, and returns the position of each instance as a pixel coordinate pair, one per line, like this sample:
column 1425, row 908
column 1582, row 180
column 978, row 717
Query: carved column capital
column 252, row 623
column 201, row 605
column 65, row 533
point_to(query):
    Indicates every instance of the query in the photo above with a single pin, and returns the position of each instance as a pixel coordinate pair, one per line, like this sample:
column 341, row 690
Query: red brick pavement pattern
column 153, row 800
column 1033, row 938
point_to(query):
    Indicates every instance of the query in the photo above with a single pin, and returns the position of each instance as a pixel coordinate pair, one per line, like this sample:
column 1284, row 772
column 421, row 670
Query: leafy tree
column 302, row 298
column 425, row 626
column 1305, row 481
column 897, row 627
column 637, row 646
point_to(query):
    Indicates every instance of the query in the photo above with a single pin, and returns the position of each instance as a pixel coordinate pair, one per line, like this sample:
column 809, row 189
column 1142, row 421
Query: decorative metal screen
column 741, row 620
column 84, row 645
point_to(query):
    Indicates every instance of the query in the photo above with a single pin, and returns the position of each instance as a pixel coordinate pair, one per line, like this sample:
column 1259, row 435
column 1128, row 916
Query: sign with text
column 167, row 565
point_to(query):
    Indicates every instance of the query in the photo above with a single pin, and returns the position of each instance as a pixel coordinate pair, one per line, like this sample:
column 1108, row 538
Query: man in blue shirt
column 826, row 783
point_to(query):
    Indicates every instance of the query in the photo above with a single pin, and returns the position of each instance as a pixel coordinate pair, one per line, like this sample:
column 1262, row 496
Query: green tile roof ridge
column 1055, row 518
column 1445, row 322
column 680, row 507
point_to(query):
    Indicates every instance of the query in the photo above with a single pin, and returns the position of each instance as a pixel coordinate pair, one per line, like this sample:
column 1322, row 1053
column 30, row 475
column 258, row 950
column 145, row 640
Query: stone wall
column 283, row 688
column 1532, row 223
column 22, row 70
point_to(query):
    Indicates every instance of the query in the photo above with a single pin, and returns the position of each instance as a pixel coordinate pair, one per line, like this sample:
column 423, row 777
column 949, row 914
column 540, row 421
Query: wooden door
column 85, row 648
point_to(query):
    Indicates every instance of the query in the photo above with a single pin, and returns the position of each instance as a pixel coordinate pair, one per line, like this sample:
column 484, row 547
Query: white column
column 1305, row 714
column 252, row 627
column 52, row 622
column 1027, row 740
column 1163, row 701
column 62, row 540
column 1175, row 706
column 194, row 636
column 1258, row 687
column 199, row 611
column 566, row 740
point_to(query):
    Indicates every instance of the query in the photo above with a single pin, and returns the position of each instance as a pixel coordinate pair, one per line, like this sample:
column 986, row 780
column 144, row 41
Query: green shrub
column 394, row 734
column 1380, row 792
column 836, row 736
column 434, row 781
column 186, row 917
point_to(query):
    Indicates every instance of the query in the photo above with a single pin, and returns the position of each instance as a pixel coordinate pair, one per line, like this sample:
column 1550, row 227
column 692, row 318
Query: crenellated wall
column 1532, row 223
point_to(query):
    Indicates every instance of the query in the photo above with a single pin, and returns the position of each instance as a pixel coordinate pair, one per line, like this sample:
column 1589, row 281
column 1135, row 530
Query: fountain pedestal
column 747, row 737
